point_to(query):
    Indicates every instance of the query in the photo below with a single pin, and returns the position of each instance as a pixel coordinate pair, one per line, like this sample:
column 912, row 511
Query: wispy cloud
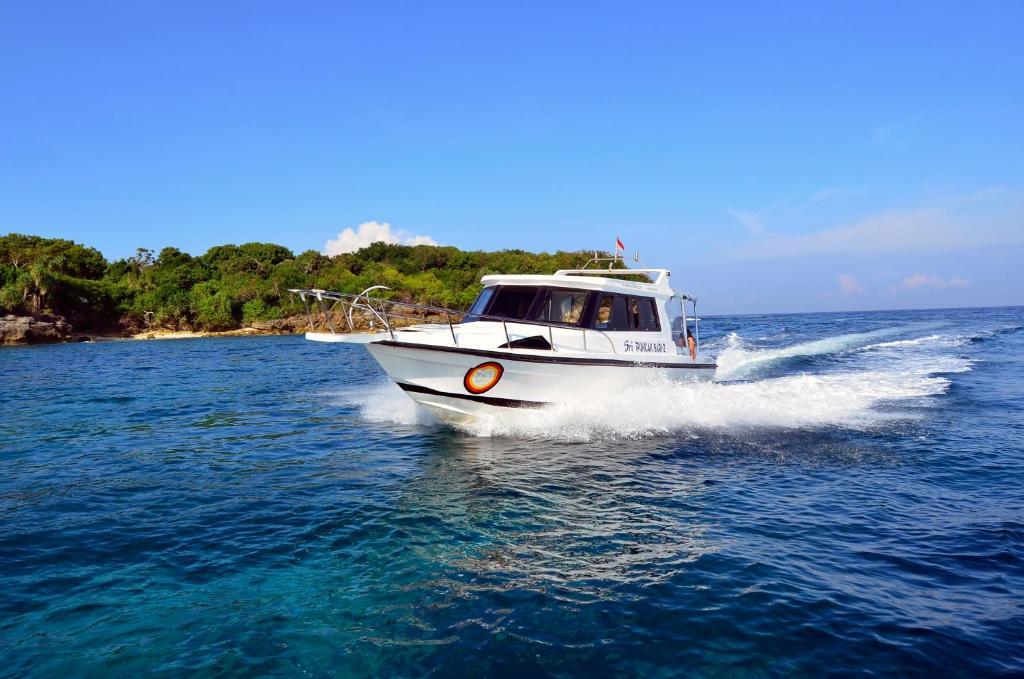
column 848, row 285
column 750, row 220
column 351, row 240
column 920, row 281
column 987, row 193
column 754, row 220
column 923, row 231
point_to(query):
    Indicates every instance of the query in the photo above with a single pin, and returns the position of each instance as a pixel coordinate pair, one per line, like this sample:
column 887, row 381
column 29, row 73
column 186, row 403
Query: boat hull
column 438, row 377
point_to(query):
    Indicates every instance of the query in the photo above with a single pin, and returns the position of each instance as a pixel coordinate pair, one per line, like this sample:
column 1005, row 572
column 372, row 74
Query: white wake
column 852, row 400
column 880, row 380
column 736, row 361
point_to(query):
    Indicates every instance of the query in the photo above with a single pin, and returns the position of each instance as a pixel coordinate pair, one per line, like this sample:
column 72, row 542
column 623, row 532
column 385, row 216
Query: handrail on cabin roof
column 385, row 313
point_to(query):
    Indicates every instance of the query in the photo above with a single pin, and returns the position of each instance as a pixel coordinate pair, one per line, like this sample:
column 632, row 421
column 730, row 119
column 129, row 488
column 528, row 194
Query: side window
column 617, row 312
column 611, row 313
column 643, row 314
column 562, row 306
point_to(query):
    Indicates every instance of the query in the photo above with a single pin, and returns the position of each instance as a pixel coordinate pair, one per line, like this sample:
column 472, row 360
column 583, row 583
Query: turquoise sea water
column 847, row 499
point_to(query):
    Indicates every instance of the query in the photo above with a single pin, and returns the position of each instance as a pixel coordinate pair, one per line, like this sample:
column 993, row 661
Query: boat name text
column 645, row 347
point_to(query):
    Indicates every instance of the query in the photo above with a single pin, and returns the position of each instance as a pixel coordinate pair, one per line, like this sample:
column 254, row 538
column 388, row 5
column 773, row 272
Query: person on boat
column 686, row 340
column 572, row 309
column 604, row 313
column 634, row 313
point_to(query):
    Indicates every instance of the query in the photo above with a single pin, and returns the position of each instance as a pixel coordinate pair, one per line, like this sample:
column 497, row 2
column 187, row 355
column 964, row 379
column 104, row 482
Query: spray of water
column 384, row 403
column 736, row 361
column 798, row 401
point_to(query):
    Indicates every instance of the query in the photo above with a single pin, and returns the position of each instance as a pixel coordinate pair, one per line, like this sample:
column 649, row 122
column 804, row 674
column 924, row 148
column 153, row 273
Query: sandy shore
column 188, row 334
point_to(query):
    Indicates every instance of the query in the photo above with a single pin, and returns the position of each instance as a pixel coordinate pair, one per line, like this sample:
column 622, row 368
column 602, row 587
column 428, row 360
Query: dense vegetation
column 234, row 285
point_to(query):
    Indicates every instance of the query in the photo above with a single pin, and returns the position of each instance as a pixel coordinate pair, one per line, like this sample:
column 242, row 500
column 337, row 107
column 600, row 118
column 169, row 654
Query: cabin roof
column 574, row 279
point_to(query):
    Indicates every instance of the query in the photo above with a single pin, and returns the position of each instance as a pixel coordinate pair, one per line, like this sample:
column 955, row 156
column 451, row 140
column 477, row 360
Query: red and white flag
column 619, row 246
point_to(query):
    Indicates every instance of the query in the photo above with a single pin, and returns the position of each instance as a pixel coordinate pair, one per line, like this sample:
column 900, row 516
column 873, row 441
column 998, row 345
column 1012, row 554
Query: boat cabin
column 584, row 311
column 571, row 307
column 633, row 316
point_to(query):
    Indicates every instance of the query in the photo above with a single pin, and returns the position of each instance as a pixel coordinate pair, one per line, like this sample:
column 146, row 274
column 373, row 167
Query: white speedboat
column 527, row 341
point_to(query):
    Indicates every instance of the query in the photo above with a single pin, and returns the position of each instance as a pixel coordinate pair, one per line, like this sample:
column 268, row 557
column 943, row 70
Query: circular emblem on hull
column 482, row 377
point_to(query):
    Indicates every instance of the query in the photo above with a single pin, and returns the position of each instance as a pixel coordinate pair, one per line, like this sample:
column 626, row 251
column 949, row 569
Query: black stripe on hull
column 488, row 400
column 534, row 358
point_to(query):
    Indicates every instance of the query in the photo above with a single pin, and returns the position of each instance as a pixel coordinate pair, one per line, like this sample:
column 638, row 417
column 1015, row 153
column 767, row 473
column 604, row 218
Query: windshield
column 512, row 302
column 530, row 303
column 479, row 305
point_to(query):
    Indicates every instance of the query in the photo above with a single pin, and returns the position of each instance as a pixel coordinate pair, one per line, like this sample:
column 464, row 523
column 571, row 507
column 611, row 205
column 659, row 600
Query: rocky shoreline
column 45, row 329
column 34, row 330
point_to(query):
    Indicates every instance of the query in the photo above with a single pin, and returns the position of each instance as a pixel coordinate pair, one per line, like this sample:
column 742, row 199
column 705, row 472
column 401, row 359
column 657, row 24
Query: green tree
column 233, row 284
column 213, row 307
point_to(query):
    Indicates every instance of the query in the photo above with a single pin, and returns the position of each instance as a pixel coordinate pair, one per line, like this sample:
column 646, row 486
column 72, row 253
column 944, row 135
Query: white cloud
column 924, row 231
column 920, row 281
column 848, row 285
column 372, row 232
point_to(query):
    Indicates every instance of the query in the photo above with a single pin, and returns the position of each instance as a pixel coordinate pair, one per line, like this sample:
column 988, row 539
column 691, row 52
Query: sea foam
column 736, row 361
column 867, row 393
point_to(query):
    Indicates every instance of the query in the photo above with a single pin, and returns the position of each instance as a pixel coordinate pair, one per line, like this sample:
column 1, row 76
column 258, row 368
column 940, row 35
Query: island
column 57, row 290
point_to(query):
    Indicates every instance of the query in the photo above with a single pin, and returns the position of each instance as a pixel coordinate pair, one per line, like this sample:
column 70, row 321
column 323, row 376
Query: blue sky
column 805, row 156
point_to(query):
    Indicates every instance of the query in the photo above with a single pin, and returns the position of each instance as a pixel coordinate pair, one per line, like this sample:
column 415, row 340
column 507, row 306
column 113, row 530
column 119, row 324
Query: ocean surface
column 846, row 498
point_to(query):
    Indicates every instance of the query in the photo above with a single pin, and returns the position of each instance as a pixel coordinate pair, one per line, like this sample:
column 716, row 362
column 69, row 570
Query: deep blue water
column 849, row 498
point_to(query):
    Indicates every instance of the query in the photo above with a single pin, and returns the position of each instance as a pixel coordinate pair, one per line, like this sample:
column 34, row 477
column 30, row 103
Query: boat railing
column 329, row 305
